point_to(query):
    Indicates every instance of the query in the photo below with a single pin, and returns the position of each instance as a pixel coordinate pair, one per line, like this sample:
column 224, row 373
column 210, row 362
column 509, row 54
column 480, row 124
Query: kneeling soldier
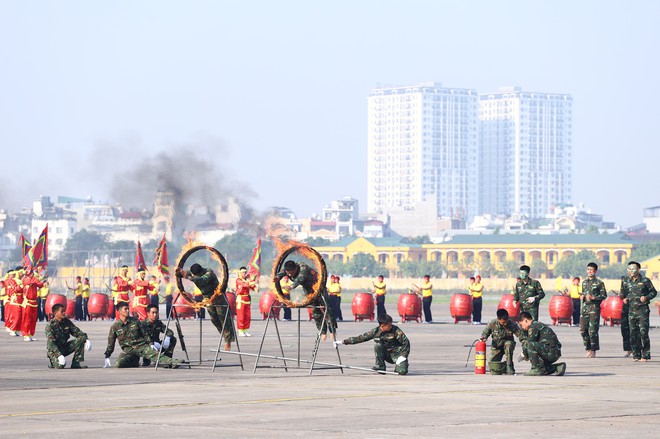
column 153, row 326
column 134, row 342
column 392, row 345
column 58, row 345
column 502, row 330
column 543, row 347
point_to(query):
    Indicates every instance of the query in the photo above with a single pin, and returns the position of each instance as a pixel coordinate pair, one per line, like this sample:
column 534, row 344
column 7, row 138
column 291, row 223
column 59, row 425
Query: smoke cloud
column 194, row 172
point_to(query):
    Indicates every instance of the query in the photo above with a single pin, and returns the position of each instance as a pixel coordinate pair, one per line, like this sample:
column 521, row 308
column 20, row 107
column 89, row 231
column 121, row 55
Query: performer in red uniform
column 122, row 286
column 31, row 285
column 141, row 288
column 243, row 301
column 14, row 306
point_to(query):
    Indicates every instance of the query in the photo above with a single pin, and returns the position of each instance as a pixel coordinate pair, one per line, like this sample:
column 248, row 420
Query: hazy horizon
column 269, row 100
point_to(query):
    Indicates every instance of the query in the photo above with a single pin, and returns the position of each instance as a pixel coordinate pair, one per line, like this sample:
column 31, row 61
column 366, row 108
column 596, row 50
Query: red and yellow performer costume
column 14, row 306
column 31, row 285
column 141, row 288
column 243, row 300
column 122, row 286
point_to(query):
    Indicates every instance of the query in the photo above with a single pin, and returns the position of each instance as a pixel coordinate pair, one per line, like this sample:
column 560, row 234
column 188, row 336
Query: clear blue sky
column 282, row 86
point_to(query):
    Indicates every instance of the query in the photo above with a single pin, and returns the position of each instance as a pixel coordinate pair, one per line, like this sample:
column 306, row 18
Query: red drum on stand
column 231, row 298
column 71, row 309
column 97, row 306
column 269, row 298
column 561, row 309
column 460, row 307
column 410, row 308
column 54, row 299
column 506, row 302
column 183, row 308
column 111, row 309
column 610, row 310
column 363, row 306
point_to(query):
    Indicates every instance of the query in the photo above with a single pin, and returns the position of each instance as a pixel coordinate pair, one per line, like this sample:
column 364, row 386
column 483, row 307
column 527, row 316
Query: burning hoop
column 321, row 279
column 223, row 276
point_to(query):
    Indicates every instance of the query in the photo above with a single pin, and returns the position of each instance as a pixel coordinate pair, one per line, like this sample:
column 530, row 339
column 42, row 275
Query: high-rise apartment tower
column 422, row 145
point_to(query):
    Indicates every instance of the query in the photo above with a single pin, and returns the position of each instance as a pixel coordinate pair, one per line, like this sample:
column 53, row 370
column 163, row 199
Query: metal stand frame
column 229, row 319
column 312, row 361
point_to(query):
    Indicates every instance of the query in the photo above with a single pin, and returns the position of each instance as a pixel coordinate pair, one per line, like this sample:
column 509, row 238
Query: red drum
column 460, row 307
column 111, row 309
column 54, row 299
column 183, row 308
column 363, row 306
column 410, row 308
column 97, row 306
column 71, row 309
column 269, row 298
column 610, row 310
column 231, row 298
column 561, row 309
column 506, row 302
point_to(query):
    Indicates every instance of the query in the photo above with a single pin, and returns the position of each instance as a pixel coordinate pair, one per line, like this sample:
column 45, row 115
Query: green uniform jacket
column 207, row 282
column 58, row 333
column 393, row 341
column 596, row 288
column 154, row 331
column 542, row 333
column 306, row 278
column 131, row 335
column 634, row 290
column 524, row 291
column 501, row 333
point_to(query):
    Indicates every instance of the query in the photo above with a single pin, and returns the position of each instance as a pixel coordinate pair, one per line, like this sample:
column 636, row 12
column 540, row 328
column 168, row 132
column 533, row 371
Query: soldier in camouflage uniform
column 302, row 275
column 542, row 345
column 206, row 280
column 153, row 326
column 593, row 293
column 637, row 291
column 58, row 345
column 134, row 342
column 625, row 328
column 392, row 345
column 528, row 292
column 502, row 331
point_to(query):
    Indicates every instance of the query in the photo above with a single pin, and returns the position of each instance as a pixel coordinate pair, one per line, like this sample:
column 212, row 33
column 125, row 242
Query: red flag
column 38, row 254
column 254, row 267
column 25, row 245
column 139, row 258
column 161, row 257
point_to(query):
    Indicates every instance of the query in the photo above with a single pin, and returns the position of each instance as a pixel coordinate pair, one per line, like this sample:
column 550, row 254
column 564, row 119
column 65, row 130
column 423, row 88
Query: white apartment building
column 525, row 151
column 422, row 145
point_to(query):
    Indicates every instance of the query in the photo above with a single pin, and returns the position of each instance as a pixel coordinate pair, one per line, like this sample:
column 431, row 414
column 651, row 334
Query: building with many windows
column 525, row 150
column 422, row 145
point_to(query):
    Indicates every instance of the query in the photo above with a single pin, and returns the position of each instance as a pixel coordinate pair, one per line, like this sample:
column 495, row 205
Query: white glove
column 337, row 343
column 156, row 346
column 61, row 360
column 400, row 360
column 107, row 363
column 166, row 342
column 531, row 299
column 88, row 345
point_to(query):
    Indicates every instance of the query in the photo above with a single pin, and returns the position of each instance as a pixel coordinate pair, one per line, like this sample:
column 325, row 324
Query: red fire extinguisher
column 480, row 357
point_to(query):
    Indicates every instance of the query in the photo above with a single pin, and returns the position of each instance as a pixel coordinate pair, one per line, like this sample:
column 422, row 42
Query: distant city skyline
column 271, row 96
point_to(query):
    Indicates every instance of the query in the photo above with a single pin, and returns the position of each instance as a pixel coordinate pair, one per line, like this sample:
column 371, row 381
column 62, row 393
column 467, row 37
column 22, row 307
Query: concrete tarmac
column 609, row 396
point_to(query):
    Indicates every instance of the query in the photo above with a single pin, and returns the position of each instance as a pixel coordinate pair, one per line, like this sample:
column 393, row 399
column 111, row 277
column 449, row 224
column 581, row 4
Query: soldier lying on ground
column 58, row 345
column 392, row 345
column 134, row 342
